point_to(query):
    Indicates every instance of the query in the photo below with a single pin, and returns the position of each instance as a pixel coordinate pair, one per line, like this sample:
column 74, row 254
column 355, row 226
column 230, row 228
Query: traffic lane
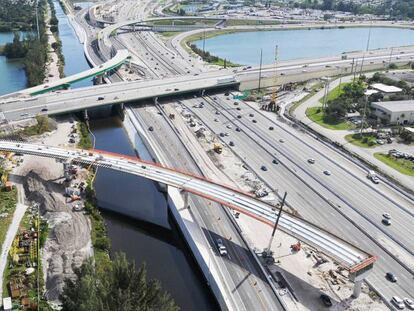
column 276, row 176
column 385, row 262
column 354, row 192
column 238, row 261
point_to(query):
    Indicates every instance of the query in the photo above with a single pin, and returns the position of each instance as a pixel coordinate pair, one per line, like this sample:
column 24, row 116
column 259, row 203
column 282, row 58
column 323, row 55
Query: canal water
column 244, row 47
column 12, row 74
column 121, row 196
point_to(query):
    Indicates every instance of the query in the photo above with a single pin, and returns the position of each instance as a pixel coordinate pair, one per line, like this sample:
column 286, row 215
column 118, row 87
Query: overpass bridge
column 353, row 259
column 120, row 57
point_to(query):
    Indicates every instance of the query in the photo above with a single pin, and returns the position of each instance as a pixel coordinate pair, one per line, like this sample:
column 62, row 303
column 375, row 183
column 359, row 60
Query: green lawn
column 364, row 141
column 404, row 166
column 316, row 115
column 334, row 93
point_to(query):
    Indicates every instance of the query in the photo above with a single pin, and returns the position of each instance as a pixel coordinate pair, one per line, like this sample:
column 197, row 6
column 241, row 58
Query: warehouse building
column 394, row 112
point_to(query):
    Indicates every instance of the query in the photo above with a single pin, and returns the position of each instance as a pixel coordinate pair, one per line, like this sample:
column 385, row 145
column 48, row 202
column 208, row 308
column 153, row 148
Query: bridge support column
column 202, row 92
column 185, row 197
column 357, row 289
column 99, row 79
column 156, row 100
column 85, row 115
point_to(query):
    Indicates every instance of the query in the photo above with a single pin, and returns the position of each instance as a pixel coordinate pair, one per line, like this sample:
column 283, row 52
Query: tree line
column 396, row 9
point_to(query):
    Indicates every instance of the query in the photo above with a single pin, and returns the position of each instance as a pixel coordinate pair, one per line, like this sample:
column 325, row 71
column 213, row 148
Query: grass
column 334, row 93
column 8, row 201
column 41, row 127
column 364, row 140
column 315, row 88
column 169, row 34
column 178, row 22
column 85, row 141
column 317, row 115
column 403, row 166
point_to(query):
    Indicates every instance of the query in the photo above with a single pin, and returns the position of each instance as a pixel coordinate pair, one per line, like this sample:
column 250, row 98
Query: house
column 394, row 112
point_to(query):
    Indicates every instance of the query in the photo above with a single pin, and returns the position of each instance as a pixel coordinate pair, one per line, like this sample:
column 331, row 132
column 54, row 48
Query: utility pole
column 366, row 50
column 274, row 87
column 277, row 221
column 260, row 68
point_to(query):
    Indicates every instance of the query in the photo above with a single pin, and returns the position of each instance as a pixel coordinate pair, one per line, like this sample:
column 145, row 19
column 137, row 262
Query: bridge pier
column 185, row 197
column 357, row 289
column 99, row 79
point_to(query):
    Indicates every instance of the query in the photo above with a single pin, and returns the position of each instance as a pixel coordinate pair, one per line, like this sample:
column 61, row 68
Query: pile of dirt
column 69, row 241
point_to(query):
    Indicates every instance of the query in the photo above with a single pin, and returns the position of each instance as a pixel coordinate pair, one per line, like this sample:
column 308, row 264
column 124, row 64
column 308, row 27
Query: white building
column 386, row 89
column 7, row 304
column 395, row 112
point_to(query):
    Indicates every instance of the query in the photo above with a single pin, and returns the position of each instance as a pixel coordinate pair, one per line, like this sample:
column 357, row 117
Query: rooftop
column 385, row 88
column 396, row 106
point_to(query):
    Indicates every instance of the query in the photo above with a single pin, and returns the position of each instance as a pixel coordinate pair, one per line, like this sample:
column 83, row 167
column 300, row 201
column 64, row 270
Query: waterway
column 122, row 197
column 244, row 47
column 12, row 74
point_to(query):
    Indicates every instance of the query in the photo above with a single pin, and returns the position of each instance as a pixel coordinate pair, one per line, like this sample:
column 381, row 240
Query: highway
column 323, row 200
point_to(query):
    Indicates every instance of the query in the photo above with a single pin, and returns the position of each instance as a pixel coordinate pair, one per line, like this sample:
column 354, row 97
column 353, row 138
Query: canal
column 244, row 47
column 121, row 196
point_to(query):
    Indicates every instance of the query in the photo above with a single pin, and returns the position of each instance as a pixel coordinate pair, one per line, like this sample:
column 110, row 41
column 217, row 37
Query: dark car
column 239, row 117
column 150, row 129
column 263, row 168
column 275, row 161
column 271, row 128
column 238, row 129
column 101, row 98
column 231, row 144
column 326, row 300
column 44, row 110
column 254, row 121
column 391, row 277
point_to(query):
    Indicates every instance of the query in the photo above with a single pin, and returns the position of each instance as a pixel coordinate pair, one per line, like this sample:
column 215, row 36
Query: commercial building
column 394, row 112
column 386, row 89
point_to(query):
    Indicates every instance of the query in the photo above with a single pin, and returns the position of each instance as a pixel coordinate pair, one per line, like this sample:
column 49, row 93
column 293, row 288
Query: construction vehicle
column 218, row 148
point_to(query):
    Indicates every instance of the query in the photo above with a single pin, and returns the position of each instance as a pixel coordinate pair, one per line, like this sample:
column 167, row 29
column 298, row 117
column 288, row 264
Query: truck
column 373, row 176
column 226, row 80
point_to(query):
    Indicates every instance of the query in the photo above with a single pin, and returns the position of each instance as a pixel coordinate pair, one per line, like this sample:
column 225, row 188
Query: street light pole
column 260, row 68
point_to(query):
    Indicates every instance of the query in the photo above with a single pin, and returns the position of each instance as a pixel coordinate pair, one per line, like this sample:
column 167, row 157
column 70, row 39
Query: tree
column 118, row 287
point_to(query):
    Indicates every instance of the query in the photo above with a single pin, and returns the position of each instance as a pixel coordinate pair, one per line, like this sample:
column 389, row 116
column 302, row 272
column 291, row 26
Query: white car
column 398, row 302
column 409, row 303
column 221, row 248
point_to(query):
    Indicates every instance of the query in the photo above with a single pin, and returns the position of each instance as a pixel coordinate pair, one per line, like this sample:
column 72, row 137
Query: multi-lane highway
column 346, row 197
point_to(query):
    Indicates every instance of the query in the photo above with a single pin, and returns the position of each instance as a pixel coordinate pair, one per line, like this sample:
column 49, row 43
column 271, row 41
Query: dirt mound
column 69, row 240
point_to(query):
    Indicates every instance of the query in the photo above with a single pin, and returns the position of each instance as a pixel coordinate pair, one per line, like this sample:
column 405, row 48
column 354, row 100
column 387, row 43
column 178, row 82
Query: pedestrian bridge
column 355, row 260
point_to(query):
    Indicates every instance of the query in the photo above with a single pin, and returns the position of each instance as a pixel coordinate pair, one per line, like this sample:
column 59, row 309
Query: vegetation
column 32, row 49
column 17, row 15
column 8, row 201
column 317, row 115
column 403, row 166
column 119, row 287
column 366, row 140
column 398, row 9
column 335, row 93
column 56, row 46
column 207, row 57
column 85, row 141
column 41, row 127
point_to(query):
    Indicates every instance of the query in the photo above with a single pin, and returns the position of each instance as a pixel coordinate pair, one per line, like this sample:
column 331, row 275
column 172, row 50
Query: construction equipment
column 218, row 148
column 273, row 101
